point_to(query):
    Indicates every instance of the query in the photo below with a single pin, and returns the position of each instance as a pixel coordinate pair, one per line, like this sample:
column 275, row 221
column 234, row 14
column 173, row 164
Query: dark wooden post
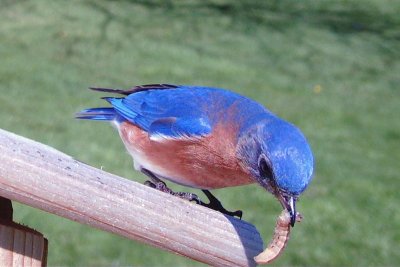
column 19, row 245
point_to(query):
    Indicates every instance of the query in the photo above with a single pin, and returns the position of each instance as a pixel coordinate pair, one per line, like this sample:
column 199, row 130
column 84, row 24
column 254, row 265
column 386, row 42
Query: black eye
column 265, row 169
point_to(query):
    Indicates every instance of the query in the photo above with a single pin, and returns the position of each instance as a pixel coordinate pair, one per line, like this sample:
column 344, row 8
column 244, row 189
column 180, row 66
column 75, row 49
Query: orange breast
column 209, row 162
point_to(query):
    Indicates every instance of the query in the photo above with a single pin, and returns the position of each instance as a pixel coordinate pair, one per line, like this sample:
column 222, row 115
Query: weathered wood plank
column 42, row 177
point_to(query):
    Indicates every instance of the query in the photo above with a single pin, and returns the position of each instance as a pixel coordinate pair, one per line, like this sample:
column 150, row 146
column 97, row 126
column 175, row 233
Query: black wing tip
column 107, row 90
column 108, row 98
column 135, row 89
column 157, row 86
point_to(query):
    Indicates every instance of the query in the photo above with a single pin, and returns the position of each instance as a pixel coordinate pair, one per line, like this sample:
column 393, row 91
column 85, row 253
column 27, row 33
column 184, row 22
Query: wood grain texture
column 21, row 246
column 42, row 177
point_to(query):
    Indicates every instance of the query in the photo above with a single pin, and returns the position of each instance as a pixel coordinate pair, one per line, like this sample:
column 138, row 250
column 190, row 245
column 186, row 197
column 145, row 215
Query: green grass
column 331, row 67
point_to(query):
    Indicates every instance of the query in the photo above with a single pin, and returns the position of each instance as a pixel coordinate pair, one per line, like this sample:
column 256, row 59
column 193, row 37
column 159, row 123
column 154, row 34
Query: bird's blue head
column 280, row 159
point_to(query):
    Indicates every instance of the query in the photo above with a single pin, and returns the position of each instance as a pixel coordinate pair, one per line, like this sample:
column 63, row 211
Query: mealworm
column 280, row 239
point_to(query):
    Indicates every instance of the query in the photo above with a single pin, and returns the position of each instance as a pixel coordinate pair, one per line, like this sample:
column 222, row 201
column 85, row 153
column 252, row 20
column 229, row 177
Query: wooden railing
column 42, row 177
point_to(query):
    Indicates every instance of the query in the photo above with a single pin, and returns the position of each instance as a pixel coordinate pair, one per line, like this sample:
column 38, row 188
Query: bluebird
column 208, row 138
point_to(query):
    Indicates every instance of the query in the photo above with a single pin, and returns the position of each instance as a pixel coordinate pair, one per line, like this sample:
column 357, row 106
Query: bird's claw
column 161, row 186
column 214, row 203
column 188, row 196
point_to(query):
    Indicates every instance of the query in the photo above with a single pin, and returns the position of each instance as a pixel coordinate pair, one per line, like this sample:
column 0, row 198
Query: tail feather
column 109, row 113
column 100, row 114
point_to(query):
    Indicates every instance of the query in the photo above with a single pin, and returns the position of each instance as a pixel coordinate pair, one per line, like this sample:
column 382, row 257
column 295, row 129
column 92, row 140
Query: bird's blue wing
column 174, row 113
column 173, row 127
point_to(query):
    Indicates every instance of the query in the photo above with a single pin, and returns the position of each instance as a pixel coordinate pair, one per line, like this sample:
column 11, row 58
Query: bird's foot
column 161, row 186
column 215, row 204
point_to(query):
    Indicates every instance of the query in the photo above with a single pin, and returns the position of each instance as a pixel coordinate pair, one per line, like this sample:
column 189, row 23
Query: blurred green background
column 330, row 67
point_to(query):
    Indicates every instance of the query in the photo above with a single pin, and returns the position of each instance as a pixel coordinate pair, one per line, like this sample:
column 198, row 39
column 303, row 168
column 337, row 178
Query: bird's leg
column 215, row 204
column 161, row 186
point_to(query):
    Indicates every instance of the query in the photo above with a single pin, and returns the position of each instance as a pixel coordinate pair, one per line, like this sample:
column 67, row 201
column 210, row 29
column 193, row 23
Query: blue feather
column 166, row 113
column 101, row 114
column 173, row 127
column 182, row 111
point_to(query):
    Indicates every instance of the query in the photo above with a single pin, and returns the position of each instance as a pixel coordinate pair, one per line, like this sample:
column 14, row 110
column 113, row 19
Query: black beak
column 289, row 203
column 292, row 210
